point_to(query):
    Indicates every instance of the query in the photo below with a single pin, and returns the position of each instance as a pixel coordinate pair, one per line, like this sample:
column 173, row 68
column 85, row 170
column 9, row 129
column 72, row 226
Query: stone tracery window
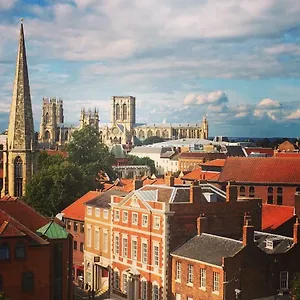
column 118, row 112
column 124, row 111
column 18, row 178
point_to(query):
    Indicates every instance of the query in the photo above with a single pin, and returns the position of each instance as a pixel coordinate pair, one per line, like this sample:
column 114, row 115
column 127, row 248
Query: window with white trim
column 97, row 212
column 189, row 298
column 97, row 240
column 216, row 282
column 105, row 241
column 177, row 297
column 156, row 255
column 178, row 270
column 117, row 244
column 105, row 213
column 202, row 278
column 125, row 217
column 190, row 274
column 145, row 221
column 89, row 236
column 155, row 292
column 134, row 249
column 116, row 280
column 89, row 211
column 144, row 252
column 125, row 247
column 134, row 218
column 156, row 222
column 284, row 280
column 144, row 290
column 125, row 283
column 117, row 215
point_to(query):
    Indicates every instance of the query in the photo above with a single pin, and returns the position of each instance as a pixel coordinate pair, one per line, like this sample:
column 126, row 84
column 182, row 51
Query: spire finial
column 22, row 20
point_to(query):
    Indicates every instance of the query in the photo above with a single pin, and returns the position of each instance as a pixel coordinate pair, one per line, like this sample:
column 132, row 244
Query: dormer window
column 269, row 244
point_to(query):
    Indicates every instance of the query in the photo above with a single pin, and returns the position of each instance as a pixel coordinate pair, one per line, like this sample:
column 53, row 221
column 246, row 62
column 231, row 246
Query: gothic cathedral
column 19, row 152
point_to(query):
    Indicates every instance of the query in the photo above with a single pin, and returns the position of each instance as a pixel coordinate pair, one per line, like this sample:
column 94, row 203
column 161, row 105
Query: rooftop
column 53, row 231
column 103, row 200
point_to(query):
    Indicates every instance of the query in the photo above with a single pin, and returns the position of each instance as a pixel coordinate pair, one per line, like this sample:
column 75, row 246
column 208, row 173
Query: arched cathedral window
column 18, row 168
column 46, row 118
column 118, row 112
column 124, row 111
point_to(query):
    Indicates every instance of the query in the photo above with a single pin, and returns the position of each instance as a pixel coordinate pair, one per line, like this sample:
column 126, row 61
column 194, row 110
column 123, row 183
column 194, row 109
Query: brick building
column 210, row 266
column 274, row 179
column 153, row 220
column 35, row 254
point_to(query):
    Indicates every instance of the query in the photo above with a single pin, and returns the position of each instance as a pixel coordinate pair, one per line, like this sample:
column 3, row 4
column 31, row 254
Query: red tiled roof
column 76, row 210
column 287, row 154
column 8, row 229
column 261, row 169
column 268, row 151
column 274, row 216
column 207, row 155
column 57, row 152
column 199, row 174
column 215, row 163
column 22, row 212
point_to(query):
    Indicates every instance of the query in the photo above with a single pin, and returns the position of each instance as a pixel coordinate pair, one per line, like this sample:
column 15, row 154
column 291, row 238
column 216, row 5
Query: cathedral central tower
column 19, row 152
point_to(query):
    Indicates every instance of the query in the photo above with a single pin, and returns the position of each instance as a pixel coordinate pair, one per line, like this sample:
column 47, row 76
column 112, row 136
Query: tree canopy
column 59, row 181
column 144, row 161
column 152, row 140
column 296, row 287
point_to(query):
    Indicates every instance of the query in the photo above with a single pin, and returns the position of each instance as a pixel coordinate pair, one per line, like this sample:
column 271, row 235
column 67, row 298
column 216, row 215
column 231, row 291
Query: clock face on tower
column 115, row 130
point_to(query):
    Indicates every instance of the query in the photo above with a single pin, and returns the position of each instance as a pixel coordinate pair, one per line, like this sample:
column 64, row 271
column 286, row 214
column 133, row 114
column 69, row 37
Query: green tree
column 296, row 287
column 86, row 150
column 142, row 161
column 152, row 140
column 55, row 187
column 3, row 296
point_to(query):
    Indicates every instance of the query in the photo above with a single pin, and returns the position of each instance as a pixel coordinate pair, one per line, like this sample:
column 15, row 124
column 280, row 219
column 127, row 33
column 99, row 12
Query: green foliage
column 152, row 140
column 60, row 181
column 55, row 187
column 296, row 287
column 3, row 296
column 144, row 161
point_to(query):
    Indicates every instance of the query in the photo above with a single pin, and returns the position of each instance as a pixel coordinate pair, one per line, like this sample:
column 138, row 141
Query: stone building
column 19, row 151
column 123, row 127
column 53, row 131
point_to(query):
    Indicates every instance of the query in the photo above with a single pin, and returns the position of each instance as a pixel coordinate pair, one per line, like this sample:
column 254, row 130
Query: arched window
column 116, row 280
column 18, row 168
column 149, row 133
column 47, row 135
column 125, row 283
column 242, row 191
column 155, row 292
column 144, row 289
column 20, row 250
column 165, row 134
column 4, row 251
column 124, row 111
column 141, row 134
column 279, row 195
column 270, row 195
column 118, row 112
column 157, row 133
column 27, row 282
column 251, row 191
column 47, row 118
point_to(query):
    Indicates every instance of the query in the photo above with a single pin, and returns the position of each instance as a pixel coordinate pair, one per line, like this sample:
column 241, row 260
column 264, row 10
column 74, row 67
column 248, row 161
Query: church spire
column 20, row 129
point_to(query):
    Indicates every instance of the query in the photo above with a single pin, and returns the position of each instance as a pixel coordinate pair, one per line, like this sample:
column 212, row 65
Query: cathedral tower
column 19, row 150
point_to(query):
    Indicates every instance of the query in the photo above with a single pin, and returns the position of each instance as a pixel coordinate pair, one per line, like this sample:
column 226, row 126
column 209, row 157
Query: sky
column 236, row 61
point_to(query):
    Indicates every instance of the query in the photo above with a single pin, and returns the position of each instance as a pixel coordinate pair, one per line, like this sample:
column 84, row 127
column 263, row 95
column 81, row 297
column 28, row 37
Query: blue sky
column 236, row 61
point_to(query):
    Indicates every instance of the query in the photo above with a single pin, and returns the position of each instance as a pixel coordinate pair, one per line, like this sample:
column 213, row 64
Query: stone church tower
column 18, row 156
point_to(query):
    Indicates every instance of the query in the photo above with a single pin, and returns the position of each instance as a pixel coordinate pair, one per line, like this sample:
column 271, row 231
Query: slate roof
column 261, row 170
column 235, row 151
column 274, row 216
column 76, row 210
column 268, row 151
column 103, row 200
column 22, row 212
column 208, row 248
column 53, row 231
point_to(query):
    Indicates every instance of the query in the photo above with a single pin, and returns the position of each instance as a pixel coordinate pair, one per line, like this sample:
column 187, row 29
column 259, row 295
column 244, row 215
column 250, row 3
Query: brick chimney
column 202, row 225
column 231, row 192
column 297, row 204
column 169, row 179
column 296, row 235
column 137, row 183
column 195, row 192
column 248, row 233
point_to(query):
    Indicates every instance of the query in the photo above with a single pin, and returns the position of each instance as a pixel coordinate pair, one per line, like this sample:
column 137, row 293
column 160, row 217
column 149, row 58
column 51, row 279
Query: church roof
column 53, row 231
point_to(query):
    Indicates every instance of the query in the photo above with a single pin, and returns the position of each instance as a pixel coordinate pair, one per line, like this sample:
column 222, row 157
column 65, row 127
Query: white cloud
column 213, row 98
column 293, row 49
column 268, row 103
column 7, row 4
column 294, row 115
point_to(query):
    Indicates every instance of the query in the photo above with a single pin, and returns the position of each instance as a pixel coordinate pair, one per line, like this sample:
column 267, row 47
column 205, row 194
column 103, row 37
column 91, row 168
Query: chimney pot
column 248, row 233
column 296, row 236
column 202, row 225
column 137, row 184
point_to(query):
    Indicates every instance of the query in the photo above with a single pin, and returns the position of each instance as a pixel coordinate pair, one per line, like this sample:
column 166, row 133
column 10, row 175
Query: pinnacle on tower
column 20, row 129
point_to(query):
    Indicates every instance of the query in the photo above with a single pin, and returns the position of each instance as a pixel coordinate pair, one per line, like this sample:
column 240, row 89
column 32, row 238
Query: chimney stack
column 248, row 233
column 296, row 232
column 202, row 225
column 137, row 183
column 195, row 192
column 169, row 179
column 231, row 193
